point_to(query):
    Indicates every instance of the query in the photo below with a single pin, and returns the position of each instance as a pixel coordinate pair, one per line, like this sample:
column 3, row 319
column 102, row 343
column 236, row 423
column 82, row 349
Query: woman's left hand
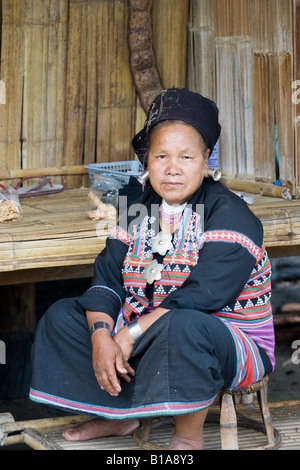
column 126, row 343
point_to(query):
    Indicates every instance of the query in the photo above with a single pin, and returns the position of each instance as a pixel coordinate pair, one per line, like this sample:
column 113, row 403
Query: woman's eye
column 162, row 155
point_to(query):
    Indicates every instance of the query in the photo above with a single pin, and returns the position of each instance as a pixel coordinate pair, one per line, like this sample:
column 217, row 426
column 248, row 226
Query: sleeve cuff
column 102, row 299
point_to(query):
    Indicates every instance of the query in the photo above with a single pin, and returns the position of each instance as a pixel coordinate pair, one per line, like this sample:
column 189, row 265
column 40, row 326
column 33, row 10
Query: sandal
column 45, row 187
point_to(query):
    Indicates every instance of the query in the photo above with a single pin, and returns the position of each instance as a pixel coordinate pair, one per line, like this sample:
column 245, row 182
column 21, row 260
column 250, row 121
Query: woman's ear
column 206, row 155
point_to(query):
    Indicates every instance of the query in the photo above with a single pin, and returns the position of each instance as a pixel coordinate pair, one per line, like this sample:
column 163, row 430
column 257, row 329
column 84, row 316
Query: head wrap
column 180, row 104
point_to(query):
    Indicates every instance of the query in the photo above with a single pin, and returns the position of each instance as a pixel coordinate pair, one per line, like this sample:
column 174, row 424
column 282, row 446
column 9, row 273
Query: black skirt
column 181, row 363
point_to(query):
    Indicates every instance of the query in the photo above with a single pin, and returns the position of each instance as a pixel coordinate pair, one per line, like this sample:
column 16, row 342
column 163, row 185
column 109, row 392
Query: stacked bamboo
column 241, row 54
column 272, row 25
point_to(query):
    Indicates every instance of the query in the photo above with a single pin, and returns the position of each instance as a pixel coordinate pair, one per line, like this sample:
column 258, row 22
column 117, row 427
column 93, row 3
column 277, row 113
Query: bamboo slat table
column 55, row 239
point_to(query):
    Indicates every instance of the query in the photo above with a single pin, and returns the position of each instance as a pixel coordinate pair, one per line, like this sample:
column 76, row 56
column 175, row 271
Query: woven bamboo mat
column 285, row 417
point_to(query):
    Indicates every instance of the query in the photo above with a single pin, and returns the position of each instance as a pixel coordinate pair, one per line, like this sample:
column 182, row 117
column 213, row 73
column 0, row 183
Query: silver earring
column 143, row 177
column 214, row 174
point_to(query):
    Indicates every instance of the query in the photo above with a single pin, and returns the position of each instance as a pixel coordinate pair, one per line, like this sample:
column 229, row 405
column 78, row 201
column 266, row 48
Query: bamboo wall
column 70, row 97
column 242, row 54
column 296, row 91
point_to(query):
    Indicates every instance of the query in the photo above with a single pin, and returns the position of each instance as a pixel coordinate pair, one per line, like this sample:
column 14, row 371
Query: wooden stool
column 228, row 419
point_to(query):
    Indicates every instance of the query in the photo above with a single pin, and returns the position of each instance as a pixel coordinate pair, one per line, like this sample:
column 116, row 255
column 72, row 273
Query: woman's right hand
column 107, row 359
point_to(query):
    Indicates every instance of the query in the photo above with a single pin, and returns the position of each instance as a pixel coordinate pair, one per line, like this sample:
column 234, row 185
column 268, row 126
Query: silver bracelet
column 135, row 330
column 98, row 325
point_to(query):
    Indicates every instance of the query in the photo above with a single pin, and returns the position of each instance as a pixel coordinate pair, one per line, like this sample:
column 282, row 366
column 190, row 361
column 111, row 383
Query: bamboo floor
column 45, row 434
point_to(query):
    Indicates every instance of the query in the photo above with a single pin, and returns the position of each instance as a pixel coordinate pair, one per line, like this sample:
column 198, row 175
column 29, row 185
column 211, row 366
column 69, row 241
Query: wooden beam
column 44, row 171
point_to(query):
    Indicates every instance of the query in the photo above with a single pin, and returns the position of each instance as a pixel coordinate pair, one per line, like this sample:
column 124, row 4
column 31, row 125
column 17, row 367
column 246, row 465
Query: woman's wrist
column 99, row 321
column 100, row 325
column 147, row 320
column 135, row 330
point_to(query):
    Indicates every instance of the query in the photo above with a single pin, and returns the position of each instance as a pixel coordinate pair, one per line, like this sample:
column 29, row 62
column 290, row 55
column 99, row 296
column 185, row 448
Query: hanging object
column 142, row 58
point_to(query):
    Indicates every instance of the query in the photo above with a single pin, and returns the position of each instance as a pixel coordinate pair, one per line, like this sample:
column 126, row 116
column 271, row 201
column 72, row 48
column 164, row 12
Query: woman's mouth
column 171, row 183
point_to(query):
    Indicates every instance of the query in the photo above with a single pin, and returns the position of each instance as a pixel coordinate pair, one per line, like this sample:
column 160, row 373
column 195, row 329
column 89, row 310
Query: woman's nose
column 172, row 168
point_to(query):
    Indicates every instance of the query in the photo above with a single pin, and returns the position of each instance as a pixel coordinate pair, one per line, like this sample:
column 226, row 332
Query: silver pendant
column 152, row 271
column 161, row 243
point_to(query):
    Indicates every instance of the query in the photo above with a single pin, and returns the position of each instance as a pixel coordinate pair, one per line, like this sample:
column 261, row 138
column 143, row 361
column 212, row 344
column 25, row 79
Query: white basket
column 121, row 171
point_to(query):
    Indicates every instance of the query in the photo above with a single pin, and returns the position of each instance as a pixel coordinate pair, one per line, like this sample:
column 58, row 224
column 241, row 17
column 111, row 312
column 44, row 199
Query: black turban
column 180, row 104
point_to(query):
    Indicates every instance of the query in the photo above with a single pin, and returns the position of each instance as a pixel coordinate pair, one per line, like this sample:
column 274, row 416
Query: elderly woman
column 179, row 306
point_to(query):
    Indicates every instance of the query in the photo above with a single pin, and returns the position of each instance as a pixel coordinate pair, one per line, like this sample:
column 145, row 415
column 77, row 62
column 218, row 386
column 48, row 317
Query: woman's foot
column 99, row 427
column 181, row 443
column 188, row 434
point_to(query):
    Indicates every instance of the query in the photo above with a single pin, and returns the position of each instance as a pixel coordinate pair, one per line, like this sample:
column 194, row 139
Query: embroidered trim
column 157, row 409
column 121, row 234
column 232, row 237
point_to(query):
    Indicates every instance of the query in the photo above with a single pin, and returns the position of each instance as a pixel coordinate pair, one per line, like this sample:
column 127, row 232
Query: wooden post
column 228, row 423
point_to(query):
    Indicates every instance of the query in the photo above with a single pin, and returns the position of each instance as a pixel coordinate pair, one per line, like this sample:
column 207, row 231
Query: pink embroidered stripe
column 122, row 413
column 232, row 237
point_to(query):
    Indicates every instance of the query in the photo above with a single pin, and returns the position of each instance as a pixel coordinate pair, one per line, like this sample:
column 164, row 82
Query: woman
column 179, row 306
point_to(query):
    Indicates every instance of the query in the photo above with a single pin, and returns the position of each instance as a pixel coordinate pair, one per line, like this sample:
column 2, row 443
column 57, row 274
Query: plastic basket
column 121, row 171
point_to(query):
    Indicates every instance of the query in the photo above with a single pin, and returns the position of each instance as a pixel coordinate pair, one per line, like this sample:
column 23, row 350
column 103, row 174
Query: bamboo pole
column 264, row 118
column 254, row 187
column 43, row 171
column 12, row 71
column 75, row 99
column 201, row 49
column 296, row 97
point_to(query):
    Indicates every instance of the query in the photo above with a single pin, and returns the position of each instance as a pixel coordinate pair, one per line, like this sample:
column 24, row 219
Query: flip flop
column 45, row 187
